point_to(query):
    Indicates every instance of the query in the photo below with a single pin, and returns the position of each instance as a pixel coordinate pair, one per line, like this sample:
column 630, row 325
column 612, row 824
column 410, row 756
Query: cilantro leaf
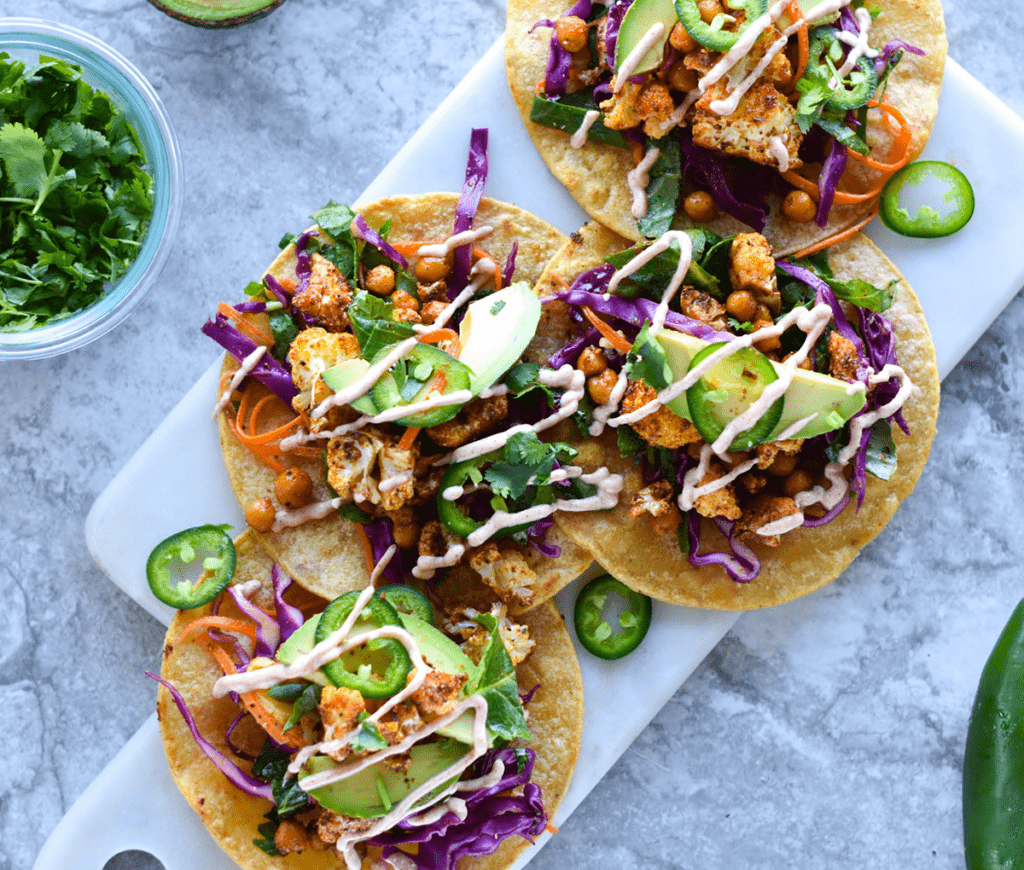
column 646, row 361
column 496, row 681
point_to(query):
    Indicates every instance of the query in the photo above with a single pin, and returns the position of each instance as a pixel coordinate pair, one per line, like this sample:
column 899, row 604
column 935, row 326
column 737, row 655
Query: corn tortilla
column 808, row 558
column 326, row 555
column 555, row 715
column 595, row 175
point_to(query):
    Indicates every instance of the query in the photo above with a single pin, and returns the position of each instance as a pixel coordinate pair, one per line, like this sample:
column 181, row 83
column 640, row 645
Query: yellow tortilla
column 807, row 558
column 326, row 555
column 595, row 175
column 555, row 716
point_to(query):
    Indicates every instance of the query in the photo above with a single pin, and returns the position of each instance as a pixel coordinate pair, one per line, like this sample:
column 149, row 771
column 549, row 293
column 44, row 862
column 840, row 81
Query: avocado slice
column 374, row 790
column 639, row 18
column 806, row 6
column 213, row 14
column 809, row 393
column 346, row 373
column 495, row 332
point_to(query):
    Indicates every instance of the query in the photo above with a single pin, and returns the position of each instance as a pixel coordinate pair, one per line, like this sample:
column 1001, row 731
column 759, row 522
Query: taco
column 781, row 144
column 450, row 733
column 767, row 423
column 397, row 405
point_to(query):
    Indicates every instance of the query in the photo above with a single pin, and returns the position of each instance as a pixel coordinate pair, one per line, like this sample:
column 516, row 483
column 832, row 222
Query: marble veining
column 825, row 733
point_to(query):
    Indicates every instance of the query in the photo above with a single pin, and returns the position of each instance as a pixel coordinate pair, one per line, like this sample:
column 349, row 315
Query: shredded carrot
column 797, row 15
column 410, row 249
column 408, row 437
column 225, row 623
column 364, row 539
column 481, row 254
column 837, row 237
column 439, row 335
column 265, row 444
column 245, row 325
column 551, row 829
column 258, row 712
column 638, row 152
column 899, row 154
column 614, row 339
column 288, row 283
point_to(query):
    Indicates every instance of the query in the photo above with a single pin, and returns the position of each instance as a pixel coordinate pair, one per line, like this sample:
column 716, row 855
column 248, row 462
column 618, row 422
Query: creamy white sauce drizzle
column 248, row 364
column 649, row 40
column 777, row 148
column 285, row 519
column 691, row 491
column 858, row 45
column 638, row 178
column 731, row 102
column 864, row 421
column 395, row 481
column 443, row 249
column 579, row 138
column 427, row 566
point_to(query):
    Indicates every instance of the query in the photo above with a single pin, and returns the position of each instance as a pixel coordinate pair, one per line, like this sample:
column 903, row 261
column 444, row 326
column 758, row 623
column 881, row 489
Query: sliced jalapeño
column 594, row 628
column 213, row 545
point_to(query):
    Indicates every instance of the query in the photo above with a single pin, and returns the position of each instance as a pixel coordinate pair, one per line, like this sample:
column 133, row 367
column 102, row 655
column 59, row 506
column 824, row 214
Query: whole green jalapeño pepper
column 993, row 793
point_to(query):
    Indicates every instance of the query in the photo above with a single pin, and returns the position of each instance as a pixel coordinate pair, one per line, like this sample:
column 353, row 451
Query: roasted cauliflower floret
column 474, row 419
column 662, row 428
column 439, row 694
column 752, row 268
column 327, row 295
column 360, row 462
column 763, row 114
column 339, row 709
column 844, row 361
column 703, row 307
column 762, row 510
column 506, row 572
column 515, row 637
column 768, row 451
column 658, row 500
column 310, row 354
column 720, row 502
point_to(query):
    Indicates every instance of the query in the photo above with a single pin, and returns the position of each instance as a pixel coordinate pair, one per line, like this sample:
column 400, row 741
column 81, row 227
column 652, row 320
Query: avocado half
column 217, row 13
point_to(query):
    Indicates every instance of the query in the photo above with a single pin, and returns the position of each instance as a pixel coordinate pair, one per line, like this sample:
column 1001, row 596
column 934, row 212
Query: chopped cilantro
column 76, row 196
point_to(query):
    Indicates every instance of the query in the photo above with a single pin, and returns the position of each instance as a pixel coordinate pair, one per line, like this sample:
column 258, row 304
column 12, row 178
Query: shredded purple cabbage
column 491, row 818
column 880, row 348
column 827, row 517
column 268, row 634
column 537, row 535
column 465, row 209
column 616, row 12
column 824, row 293
column 637, row 311
column 289, row 617
column 510, row 265
column 891, row 47
column 362, row 230
column 379, row 531
column 268, row 371
column 828, row 180
column 704, row 169
column 239, row 753
column 556, row 75
column 741, row 564
column 236, row 776
column 572, row 349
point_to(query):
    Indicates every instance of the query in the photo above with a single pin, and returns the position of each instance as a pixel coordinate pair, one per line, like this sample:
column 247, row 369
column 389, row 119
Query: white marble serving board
column 176, row 479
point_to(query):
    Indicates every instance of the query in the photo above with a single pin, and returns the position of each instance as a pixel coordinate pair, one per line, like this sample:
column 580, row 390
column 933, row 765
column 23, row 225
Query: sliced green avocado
column 806, row 6
column 809, row 393
column 216, row 13
column 374, row 790
column 639, row 19
column 495, row 332
column 346, row 373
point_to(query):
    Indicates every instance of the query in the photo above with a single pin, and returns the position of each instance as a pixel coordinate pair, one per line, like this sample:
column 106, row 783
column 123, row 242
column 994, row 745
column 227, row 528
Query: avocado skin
column 169, row 8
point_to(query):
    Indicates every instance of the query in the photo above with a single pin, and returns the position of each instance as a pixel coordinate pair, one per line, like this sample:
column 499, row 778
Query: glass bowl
column 106, row 70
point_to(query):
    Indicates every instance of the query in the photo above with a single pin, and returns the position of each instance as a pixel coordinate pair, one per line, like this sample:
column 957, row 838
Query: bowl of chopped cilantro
column 90, row 188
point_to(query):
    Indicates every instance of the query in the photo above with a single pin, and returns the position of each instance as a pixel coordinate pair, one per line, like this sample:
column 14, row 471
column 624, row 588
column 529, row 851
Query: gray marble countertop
column 828, row 732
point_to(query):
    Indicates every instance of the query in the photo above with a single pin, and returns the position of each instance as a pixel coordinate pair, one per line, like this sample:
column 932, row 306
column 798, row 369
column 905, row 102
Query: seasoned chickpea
column 431, row 269
column 700, row 206
column 782, row 465
column 261, row 514
column 770, row 343
column 668, row 522
column 680, row 78
column 592, row 361
column 680, row 39
column 741, row 304
column 572, row 32
column 405, row 529
column 799, row 207
column 293, row 488
column 763, row 314
column 380, row 280
column 797, row 481
column 709, row 10
column 290, row 836
column 601, row 385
